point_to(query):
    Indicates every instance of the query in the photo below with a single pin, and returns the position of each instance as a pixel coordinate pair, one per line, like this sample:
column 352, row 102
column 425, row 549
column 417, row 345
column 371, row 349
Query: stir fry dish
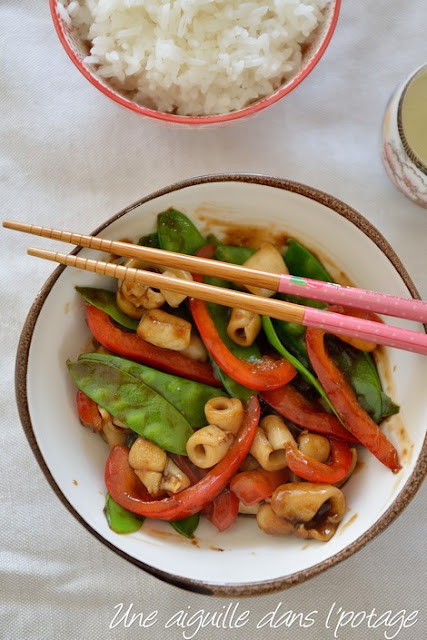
column 216, row 412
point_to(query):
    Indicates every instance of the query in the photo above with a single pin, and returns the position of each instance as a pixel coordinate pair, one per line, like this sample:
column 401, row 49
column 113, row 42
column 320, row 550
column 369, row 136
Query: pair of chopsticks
column 326, row 292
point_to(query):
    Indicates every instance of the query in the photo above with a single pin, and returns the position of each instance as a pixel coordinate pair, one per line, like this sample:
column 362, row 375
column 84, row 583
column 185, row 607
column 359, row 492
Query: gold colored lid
column 412, row 118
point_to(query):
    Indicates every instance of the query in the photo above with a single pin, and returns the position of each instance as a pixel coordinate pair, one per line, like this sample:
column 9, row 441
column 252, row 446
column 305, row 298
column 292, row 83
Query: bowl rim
column 195, row 120
column 233, row 590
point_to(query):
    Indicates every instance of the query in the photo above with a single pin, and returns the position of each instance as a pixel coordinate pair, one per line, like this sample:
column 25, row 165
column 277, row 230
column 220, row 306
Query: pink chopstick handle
column 351, row 297
column 366, row 330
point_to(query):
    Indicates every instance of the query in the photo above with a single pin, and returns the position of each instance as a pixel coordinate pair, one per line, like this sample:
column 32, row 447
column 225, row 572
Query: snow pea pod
column 187, row 526
column 220, row 315
column 211, row 238
column 389, row 408
column 293, row 337
column 233, row 388
column 361, row 372
column 132, row 402
column 236, row 255
column 106, row 301
column 300, row 262
column 119, row 519
column 187, row 396
column 150, row 240
column 273, row 339
column 177, row 233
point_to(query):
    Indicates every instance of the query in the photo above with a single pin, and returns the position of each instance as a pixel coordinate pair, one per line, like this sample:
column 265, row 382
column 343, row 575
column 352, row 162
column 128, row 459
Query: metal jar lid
column 407, row 94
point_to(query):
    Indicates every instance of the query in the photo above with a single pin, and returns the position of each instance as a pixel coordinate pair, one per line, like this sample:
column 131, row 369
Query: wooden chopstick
column 227, row 297
column 396, row 306
column 307, row 316
column 194, row 264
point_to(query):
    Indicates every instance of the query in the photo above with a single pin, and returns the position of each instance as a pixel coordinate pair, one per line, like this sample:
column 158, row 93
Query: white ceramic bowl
column 242, row 560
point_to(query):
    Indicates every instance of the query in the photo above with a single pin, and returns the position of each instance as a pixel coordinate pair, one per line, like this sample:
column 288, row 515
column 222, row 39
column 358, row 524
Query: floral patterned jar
column 404, row 137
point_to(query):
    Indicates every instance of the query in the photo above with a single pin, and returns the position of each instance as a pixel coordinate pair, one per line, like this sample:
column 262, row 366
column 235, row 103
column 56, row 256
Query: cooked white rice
column 195, row 57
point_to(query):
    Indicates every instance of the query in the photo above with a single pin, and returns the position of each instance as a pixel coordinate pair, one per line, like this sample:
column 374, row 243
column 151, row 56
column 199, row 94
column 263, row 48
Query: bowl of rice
column 195, row 62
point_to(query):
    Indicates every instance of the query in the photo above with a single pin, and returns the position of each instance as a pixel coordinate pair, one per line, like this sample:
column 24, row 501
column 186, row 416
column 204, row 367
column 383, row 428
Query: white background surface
column 69, row 157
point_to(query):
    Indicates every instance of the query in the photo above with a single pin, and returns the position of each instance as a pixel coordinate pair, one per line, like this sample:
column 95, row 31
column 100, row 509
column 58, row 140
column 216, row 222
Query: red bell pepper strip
column 314, row 471
column 345, row 402
column 225, row 508
column 260, row 375
column 129, row 345
column 258, row 484
column 291, row 404
column 88, row 411
column 121, row 480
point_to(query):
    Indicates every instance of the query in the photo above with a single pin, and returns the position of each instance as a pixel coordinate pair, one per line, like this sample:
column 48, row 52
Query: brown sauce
column 347, row 524
column 88, row 346
column 393, row 427
column 169, row 535
column 359, row 466
column 395, row 430
column 164, row 535
column 237, row 234
column 253, row 235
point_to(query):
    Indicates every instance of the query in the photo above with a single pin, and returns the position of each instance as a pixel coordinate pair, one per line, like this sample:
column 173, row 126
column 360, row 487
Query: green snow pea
column 236, row 255
column 300, row 262
column 212, row 239
column 293, row 337
column 150, row 240
column 273, row 339
column 360, row 370
column 121, row 520
column 220, row 316
column 187, row 526
column 127, row 398
column 389, row 408
column 177, row 233
column 187, row 396
column 106, row 301
column 233, row 388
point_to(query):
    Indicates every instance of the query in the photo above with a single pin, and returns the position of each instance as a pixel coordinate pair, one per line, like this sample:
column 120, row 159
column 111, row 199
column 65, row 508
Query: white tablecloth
column 70, row 157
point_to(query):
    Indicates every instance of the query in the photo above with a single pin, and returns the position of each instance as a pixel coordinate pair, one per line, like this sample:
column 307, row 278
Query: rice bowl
column 196, row 59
